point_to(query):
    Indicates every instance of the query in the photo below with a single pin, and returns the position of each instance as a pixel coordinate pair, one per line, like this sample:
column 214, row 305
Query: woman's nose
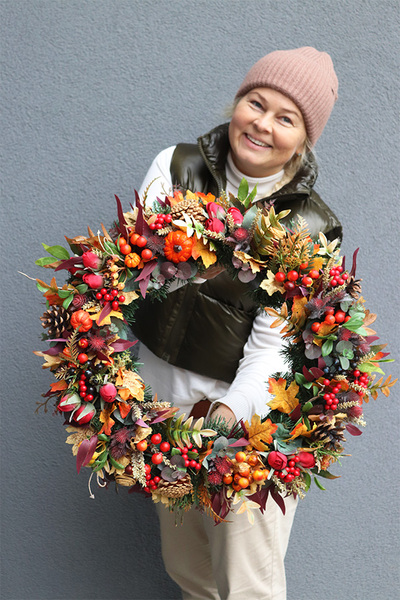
column 264, row 122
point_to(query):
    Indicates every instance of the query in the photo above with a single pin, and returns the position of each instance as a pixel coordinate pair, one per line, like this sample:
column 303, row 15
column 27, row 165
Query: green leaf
column 300, row 379
column 319, row 484
column 46, row 260
column 115, row 463
column 110, row 247
column 103, row 437
column 64, row 293
column 307, row 406
column 252, row 195
column 369, row 368
column 68, row 301
column 344, row 363
column 41, row 288
column 328, row 475
column 307, row 480
column 327, row 347
column 243, row 190
column 57, row 251
column 82, row 288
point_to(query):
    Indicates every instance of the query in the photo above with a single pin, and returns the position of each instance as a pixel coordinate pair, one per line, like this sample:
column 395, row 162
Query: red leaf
column 122, row 224
column 316, row 372
column 85, row 452
column 106, row 311
column 353, row 430
column 353, row 268
column 241, row 442
column 307, row 374
column 279, row 500
column 121, row 345
column 69, row 262
column 139, row 225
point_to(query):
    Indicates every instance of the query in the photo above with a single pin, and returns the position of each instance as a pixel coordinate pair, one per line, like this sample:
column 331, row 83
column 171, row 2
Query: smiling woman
column 206, row 348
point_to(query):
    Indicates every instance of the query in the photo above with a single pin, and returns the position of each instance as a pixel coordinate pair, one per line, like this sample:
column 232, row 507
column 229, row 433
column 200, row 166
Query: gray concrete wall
column 92, row 90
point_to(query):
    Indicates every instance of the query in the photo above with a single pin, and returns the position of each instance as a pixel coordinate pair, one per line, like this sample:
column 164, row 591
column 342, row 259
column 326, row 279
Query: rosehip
column 141, row 446
column 165, row 446
column 292, row 275
column 279, row 276
column 156, row 438
column 157, row 458
column 315, row 327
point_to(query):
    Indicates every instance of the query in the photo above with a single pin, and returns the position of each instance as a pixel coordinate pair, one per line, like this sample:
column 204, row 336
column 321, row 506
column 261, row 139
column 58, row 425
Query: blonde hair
column 292, row 166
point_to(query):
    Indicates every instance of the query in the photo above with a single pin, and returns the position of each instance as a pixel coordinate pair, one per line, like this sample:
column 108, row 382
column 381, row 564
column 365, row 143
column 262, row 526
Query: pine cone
column 188, row 207
column 175, row 489
column 331, row 435
column 55, row 320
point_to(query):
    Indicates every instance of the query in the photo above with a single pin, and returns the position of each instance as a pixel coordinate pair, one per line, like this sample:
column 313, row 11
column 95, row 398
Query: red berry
column 141, row 241
column 329, row 310
column 340, row 280
column 165, row 446
column 292, row 275
column 340, row 316
column 152, row 226
column 115, row 305
column 129, row 469
column 99, row 295
column 345, row 276
column 83, row 343
column 184, row 450
column 147, row 468
column 333, row 282
column 156, row 438
column 198, row 466
column 156, row 479
column 121, row 299
column 315, row 327
column 330, row 319
column 125, row 249
column 289, row 286
column 279, row 276
column 326, row 382
column 82, row 358
column 356, row 373
column 89, row 397
column 303, row 266
column 157, row 458
column 314, row 274
column 192, row 463
column 146, row 254
column 347, row 318
column 83, row 387
column 307, row 281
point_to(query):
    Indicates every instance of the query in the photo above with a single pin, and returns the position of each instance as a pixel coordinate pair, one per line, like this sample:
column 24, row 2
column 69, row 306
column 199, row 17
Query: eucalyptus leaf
column 327, row 347
column 64, row 293
column 344, row 363
column 68, row 301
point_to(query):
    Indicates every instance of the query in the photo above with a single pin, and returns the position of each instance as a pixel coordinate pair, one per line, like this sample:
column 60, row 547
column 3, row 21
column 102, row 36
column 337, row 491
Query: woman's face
column 266, row 130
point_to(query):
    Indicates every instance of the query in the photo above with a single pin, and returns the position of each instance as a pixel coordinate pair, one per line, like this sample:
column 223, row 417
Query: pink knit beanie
column 304, row 75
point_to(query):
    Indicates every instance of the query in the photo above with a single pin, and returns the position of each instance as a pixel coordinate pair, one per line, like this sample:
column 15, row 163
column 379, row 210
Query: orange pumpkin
column 178, row 246
column 81, row 319
column 132, row 260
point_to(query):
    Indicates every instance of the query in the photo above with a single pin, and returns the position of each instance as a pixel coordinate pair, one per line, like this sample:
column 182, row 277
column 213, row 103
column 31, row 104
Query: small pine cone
column 331, row 436
column 56, row 320
column 188, row 207
column 124, row 479
column 175, row 489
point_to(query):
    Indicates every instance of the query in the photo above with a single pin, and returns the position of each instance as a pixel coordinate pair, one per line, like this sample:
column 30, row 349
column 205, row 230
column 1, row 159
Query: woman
column 206, row 348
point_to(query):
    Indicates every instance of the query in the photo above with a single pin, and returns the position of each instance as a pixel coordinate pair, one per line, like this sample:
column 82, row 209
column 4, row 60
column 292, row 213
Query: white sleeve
column 159, row 177
column 247, row 394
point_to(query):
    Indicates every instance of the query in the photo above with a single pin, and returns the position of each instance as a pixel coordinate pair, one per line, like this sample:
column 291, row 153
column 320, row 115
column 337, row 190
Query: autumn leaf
column 124, row 409
column 58, row 386
column 299, row 314
column 129, row 297
column 105, row 418
column 285, row 399
column 50, row 361
column 270, row 285
column 301, row 429
column 254, row 264
column 317, row 263
column 78, row 434
column 131, row 385
column 260, row 434
column 201, row 250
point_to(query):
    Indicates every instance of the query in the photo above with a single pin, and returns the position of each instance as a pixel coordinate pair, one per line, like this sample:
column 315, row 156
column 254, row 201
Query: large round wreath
column 122, row 432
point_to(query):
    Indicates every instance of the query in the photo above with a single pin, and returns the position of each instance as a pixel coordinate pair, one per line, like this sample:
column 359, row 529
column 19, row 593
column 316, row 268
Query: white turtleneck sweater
column 247, row 394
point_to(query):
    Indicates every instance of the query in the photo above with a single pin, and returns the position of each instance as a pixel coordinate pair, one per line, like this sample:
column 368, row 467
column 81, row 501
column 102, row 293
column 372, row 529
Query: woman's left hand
column 224, row 412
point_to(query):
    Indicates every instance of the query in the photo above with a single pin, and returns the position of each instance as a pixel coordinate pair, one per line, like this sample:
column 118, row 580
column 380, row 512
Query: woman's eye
column 287, row 120
column 256, row 104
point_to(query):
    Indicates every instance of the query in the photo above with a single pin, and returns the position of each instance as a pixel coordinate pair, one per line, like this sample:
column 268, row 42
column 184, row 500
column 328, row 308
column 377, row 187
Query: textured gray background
column 93, row 90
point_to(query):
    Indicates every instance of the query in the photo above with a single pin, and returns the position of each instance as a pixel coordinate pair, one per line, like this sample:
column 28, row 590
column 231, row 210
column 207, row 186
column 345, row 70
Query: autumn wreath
column 122, row 432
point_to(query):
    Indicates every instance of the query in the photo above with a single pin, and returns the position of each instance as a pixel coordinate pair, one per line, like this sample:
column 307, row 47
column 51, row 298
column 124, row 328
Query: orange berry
column 133, row 238
column 227, row 479
column 252, row 460
column 236, row 477
column 240, row 456
column 243, row 482
column 244, row 469
column 141, row 446
column 258, row 475
column 236, row 487
column 125, row 249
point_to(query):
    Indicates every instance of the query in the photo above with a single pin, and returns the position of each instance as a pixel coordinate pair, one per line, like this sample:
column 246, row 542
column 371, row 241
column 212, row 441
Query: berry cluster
column 338, row 277
column 331, row 401
column 86, row 391
column 293, row 278
column 246, row 469
column 291, row 471
column 361, row 379
column 331, row 318
column 161, row 221
column 105, row 296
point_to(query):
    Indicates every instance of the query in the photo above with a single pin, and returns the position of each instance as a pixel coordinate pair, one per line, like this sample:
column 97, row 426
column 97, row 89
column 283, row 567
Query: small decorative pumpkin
column 178, row 246
column 132, row 260
column 81, row 319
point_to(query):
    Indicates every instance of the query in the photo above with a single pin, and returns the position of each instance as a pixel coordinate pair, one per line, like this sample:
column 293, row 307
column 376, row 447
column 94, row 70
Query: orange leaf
column 301, row 429
column 260, row 434
column 201, row 250
column 298, row 313
column 59, row 385
column 285, row 399
column 105, row 417
column 124, row 409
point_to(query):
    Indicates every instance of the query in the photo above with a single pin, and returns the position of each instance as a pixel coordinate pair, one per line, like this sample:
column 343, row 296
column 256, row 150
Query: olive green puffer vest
column 204, row 327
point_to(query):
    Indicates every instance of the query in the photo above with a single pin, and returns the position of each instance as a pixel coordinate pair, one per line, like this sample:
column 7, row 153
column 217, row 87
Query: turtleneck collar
column 265, row 185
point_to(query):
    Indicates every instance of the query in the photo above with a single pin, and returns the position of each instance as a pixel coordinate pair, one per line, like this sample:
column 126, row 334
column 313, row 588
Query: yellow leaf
column 285, row 399
column 298, row 312
column 255, row 265
column 201, row 250
column 260, row 434
column 270, row 285
column 129, row 297
column 50, row 361
column 132, row 386
column 301, row 429
column 59, row 385
column 105, row 417
column 317, row 263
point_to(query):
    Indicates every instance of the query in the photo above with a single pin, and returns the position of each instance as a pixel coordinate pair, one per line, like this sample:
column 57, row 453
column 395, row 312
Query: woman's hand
column 223, row 411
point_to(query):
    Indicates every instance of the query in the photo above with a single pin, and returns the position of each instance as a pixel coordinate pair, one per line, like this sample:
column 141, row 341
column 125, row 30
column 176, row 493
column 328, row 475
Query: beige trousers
column 229, row 561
